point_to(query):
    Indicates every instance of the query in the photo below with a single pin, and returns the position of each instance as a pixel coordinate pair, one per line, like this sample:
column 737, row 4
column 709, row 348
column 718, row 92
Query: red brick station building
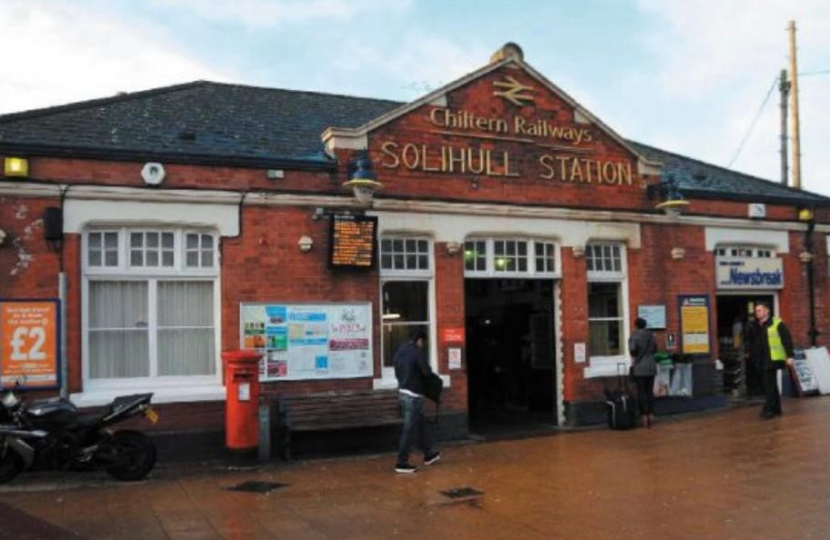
column 522, row 232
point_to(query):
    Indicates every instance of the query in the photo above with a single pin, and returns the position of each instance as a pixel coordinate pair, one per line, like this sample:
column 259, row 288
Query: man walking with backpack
column 771, row 348
column 412, row 371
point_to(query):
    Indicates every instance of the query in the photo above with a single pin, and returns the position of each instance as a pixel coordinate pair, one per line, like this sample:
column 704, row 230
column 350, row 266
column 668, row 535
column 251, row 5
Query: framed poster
column 309, row 341
column 29, row 344
column 694, row 324
column 655, row 316
column 805, row 382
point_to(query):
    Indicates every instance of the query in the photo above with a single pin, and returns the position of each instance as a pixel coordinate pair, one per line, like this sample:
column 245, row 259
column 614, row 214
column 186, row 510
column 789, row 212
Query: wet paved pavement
column 727, row 475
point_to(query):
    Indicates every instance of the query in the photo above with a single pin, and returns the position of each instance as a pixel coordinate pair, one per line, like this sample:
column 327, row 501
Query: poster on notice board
column 694, row 324
column 309, row 341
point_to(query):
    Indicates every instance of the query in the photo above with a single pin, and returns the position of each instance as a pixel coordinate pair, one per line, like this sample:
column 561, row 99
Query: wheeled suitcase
column 622, row 405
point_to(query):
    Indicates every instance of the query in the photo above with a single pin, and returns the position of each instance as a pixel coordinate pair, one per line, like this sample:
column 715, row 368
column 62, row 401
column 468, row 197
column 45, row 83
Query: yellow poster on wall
column 694, row 324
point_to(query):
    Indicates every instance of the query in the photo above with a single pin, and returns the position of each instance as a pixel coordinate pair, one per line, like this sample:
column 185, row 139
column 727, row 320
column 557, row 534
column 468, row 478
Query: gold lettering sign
column 561, row 148
column 449, row 159
column 518, row 128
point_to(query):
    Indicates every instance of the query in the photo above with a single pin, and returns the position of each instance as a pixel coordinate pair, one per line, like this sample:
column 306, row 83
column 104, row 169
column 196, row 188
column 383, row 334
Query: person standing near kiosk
column 771, row 348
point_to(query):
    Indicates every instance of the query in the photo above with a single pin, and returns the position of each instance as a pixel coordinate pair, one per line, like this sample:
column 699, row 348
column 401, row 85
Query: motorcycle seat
column 87, row 419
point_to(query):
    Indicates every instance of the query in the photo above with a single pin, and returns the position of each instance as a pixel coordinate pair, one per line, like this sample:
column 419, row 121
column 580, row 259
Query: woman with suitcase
column 642, row 347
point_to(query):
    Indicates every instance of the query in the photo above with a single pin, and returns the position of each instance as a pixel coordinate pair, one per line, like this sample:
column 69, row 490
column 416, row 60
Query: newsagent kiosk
column 498, row 214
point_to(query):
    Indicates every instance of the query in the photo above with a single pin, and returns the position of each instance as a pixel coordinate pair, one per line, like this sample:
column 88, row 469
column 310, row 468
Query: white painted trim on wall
column 456, row 228
column 177, row 394
column 779, row 240
column 346, row 201
column 78, row 215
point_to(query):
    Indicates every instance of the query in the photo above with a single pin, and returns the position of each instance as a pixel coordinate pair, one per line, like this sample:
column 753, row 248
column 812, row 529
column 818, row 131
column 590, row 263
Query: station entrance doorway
column 511, row 353
column 735, row 312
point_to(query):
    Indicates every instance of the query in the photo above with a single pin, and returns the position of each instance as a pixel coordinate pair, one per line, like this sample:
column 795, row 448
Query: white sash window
column 607, row 309
column 150, row 306
column 407, row 290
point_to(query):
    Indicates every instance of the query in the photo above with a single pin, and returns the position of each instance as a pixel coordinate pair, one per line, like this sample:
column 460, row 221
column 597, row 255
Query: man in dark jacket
column 411, row 370
column 770, row 346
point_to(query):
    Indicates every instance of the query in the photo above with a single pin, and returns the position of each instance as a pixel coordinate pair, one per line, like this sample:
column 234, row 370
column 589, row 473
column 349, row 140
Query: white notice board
column 309, row 341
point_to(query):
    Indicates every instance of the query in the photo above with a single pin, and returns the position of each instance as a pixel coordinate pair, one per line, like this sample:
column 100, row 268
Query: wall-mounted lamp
column 805, row 257
column 674, row 204
column 3, row 236
column 678, row 253
column 305, row 243
column 805, row 214
column 363, row 181
column 16, row 166
column 453, row 247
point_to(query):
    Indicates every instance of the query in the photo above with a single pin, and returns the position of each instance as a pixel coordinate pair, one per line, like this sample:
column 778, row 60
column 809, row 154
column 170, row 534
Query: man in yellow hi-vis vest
column 770, row 346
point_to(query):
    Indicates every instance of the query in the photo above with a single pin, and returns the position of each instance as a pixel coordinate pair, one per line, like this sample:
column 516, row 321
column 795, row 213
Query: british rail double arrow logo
column 513, row 92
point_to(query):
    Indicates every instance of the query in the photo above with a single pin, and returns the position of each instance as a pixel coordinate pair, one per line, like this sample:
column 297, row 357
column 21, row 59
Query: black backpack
column 433, row 386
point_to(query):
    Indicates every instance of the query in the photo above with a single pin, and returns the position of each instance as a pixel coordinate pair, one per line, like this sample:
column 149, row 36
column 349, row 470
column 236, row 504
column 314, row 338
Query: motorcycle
column 54, row 435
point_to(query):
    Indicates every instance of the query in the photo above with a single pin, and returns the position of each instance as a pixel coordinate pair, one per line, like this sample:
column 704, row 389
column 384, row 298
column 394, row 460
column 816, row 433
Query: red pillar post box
column 242, row 401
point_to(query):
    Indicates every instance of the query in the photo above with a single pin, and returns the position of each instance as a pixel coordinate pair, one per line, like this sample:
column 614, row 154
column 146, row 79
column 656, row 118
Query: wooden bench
column 334, row 411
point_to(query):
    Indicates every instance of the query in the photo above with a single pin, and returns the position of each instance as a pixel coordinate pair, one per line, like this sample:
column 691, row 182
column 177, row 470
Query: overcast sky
column 688, row 76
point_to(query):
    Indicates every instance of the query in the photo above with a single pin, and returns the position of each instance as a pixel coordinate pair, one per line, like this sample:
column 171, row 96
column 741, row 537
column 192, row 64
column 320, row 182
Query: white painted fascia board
column 716, row 236
column 338, row 138
column 172, row 394
column 457, row 228
column 584, row 215
column 79, row 214
column 30, row 190
column 99, row 192
column 382, row 204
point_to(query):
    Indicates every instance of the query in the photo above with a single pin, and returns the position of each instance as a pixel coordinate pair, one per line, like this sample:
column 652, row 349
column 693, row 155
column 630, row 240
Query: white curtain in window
column 118, row 334
column 186, row 344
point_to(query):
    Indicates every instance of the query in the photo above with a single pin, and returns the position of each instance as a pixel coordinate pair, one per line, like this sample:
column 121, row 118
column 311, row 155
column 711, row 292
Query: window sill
column 392, row 384
column 606, row 369
column 176, row 394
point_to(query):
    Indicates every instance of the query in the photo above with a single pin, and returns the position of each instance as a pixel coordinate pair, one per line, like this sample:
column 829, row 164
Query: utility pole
column 794, row 106
column 784, row 88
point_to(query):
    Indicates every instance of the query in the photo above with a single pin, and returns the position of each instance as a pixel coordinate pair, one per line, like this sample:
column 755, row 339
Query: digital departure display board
column 352, row 240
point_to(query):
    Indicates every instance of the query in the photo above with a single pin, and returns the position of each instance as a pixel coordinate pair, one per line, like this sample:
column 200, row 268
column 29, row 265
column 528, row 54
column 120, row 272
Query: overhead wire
column 752, row 124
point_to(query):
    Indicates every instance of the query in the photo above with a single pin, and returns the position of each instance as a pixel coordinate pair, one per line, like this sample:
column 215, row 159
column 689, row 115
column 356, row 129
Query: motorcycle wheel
column 11, row 464
column 136, row 454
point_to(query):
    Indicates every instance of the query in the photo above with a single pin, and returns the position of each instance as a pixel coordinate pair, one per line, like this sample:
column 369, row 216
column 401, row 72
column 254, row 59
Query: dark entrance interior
column 511, row 354
column 734, row 313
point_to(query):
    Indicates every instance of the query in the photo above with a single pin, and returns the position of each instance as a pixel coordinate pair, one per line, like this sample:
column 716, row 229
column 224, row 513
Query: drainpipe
column 62, row 295
column 808, row 260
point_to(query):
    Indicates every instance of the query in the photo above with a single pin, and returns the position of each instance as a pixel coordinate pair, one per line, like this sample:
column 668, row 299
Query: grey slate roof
column 699, row 179
column 235, row 125
column 196, row 122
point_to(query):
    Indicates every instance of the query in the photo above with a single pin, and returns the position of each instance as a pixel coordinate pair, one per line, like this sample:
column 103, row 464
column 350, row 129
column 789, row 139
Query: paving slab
column 728, row 475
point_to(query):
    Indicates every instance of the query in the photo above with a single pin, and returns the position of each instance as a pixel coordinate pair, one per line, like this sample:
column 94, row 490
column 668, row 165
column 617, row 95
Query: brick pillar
column 72, row 267
column 574, row 318
column 449, row 298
